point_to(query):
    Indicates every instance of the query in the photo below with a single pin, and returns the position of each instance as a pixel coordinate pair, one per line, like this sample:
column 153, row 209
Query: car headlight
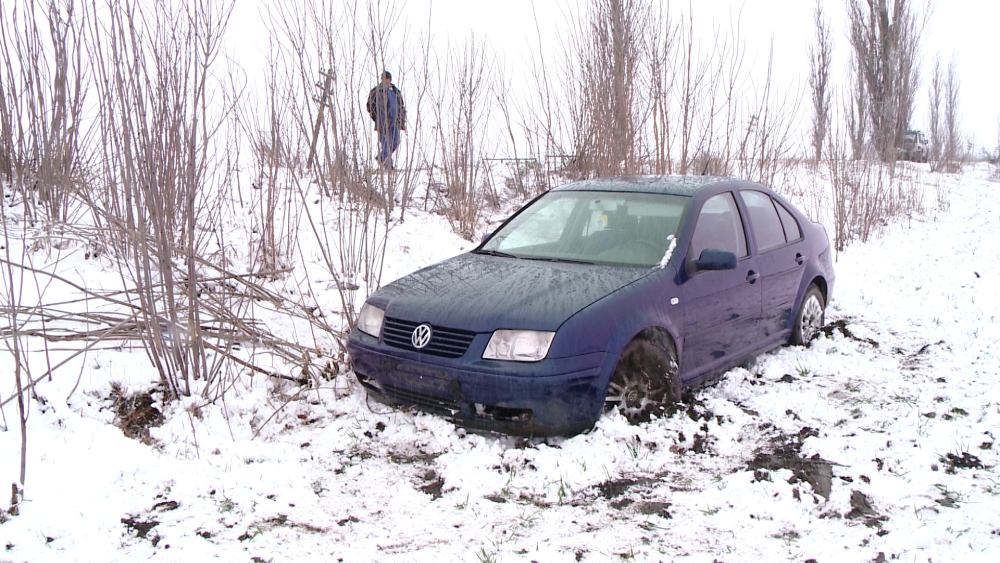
column 370, row 320
column 518, row 345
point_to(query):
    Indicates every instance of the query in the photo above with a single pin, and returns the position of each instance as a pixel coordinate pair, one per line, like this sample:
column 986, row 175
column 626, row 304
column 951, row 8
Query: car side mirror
column 713, row 259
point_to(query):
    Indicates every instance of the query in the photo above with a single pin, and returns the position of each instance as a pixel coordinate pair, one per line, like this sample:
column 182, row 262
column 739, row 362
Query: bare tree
column 820, row 56
column 935, row 98
column 695, row 86
column 856, row 111
column 612, row 84
column 996, row 153
column 703, row 108
column 886, row 37
column 952, row 134
column 605, row 55
column 662, row 50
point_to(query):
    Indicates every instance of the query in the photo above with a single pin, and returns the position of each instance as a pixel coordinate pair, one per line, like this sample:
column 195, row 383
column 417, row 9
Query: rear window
column 767, row 226
column 792, row 230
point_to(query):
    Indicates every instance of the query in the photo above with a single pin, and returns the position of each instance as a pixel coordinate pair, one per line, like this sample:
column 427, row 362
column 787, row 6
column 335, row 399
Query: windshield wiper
column 562, row 260
column 494, row 253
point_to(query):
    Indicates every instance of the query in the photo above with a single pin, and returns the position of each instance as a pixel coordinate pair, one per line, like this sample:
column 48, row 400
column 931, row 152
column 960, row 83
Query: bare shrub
column 163, row 167
column 526, row 177
column 41, row 105
column 460, row 105
column 277, row 146
column 766, row 147
column 13, row 338
column 867, row 195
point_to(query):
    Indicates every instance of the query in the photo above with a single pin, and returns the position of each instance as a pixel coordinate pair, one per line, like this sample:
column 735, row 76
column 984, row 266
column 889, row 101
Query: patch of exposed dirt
column 786, row 453
column 916, row 360
column 654, row 509
column 408, row 458
column 841, row 326
column 614, row 488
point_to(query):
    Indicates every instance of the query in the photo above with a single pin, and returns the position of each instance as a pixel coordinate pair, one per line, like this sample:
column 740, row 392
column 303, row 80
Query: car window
column 719, row 227
column 544, row 225
column 767, row 226
column 792, row 230
column 621, row 228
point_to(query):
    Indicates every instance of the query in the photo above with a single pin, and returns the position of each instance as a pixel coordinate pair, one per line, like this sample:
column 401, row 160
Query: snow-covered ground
column 877, row 443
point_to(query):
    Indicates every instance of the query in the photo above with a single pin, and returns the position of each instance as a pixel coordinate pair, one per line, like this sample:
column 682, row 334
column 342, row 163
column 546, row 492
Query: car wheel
column 646, row 381
column 810, row 319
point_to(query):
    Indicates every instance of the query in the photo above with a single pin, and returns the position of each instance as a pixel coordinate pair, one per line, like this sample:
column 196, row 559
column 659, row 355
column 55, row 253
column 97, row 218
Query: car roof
column 674, row 185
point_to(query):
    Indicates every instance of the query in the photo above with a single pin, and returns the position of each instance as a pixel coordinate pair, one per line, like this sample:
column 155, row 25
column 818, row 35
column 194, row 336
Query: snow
column 671, row 246
column 903, row 403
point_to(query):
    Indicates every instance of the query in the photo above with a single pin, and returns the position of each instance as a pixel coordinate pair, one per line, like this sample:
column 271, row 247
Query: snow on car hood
column 483, row 293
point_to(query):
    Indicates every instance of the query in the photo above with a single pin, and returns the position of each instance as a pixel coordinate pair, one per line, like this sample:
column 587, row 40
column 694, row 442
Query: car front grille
column 445, row 342
column 422, row 400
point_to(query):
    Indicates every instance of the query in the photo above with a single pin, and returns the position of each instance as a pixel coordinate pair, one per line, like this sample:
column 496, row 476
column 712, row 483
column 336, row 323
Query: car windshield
column 613, row 228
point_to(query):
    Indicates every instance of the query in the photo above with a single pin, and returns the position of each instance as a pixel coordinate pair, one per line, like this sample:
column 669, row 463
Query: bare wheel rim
column 641, row 384
column 812, row 318
column 634, row 397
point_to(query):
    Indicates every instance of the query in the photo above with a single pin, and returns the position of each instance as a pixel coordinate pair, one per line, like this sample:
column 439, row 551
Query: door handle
column 752, row 276
column 799, row 259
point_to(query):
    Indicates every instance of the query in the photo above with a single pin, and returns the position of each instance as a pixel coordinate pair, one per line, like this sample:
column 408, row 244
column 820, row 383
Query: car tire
column 810, row 319
column 646, row 381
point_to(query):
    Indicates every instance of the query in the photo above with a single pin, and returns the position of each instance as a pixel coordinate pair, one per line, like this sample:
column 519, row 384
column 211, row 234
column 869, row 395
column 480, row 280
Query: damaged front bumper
column 551, row 397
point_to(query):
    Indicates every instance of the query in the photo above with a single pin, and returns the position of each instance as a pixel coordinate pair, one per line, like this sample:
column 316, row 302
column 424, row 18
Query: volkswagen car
column 600, row 295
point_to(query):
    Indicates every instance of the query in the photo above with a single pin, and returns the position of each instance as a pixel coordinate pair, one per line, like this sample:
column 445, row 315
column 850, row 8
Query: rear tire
column 646, row 381
column 809, row 321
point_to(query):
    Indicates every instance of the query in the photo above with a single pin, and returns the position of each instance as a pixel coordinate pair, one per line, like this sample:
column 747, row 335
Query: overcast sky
column 966, row 28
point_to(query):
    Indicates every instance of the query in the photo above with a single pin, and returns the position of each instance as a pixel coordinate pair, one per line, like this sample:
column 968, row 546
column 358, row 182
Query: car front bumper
column 560, row 396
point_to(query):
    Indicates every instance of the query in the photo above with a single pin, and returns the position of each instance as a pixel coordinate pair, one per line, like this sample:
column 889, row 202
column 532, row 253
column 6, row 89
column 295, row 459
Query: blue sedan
column 598, row 295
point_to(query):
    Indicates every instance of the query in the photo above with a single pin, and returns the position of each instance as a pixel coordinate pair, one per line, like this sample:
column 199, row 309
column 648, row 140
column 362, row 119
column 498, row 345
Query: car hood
column 484, row 293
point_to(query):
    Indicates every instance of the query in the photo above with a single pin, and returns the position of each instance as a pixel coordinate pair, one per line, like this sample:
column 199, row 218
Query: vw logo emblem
column 421, row 336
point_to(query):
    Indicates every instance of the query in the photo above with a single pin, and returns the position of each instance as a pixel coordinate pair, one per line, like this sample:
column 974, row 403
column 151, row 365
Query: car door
column 721, row 308
column 782, row 254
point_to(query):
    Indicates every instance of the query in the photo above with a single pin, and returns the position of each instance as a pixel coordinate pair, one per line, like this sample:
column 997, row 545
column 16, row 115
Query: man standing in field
column 385, row 105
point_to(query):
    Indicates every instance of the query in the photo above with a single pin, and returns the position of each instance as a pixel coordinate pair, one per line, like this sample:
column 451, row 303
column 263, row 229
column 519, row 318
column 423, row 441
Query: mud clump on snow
column 135, row 414
column 140, row 527
column 841, row 327
column 614, row 488
column 787, row 454
column 862, row 509
column 963, row 461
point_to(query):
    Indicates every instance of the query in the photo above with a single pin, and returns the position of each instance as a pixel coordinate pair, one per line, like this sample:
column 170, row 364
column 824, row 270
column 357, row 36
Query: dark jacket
column 378, row 102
